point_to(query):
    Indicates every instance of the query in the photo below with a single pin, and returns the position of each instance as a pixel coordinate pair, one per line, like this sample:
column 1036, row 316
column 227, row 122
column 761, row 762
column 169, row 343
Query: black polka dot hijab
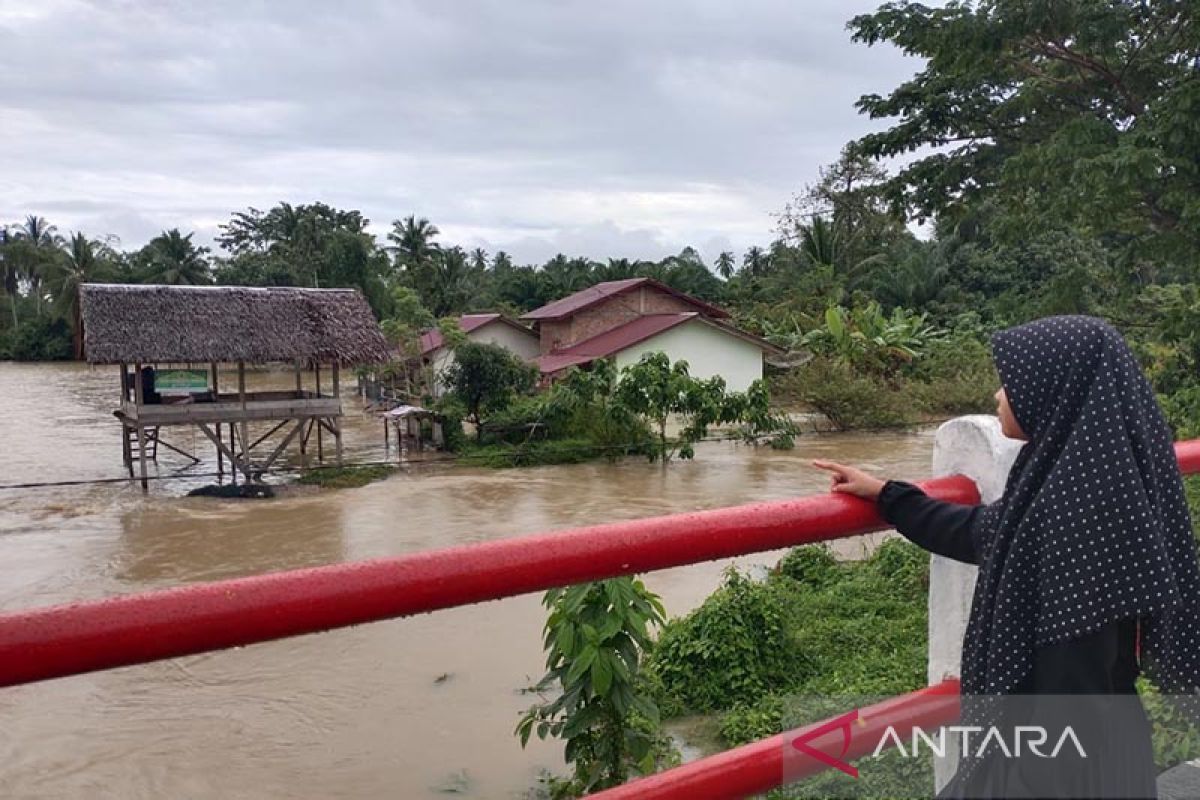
column 1093, row 525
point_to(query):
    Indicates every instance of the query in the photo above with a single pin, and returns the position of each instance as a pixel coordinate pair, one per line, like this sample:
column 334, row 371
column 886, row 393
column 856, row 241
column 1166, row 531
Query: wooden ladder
column 135, row 452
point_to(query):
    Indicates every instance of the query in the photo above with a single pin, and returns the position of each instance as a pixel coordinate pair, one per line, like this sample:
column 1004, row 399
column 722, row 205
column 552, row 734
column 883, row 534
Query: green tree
column 755, row 262
column 596, row 636
column 33, row 248
column 305, row 245
column 485, row 378
column 1077, row 111
column 173, row 259
column 850, row 202
column 726, row 266
column 82, row 260
column 655, row 390
column 11, row 269
column 403, row 329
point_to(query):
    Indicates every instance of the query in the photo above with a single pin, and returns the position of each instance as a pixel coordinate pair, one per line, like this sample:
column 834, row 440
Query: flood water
column 408, row 708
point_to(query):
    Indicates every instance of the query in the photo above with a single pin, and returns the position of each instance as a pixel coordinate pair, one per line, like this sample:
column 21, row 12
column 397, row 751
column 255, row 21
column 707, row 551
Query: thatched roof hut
column 151, row 323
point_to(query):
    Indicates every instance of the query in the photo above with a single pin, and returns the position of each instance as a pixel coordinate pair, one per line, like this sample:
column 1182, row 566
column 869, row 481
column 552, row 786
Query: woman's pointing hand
column 851, row 480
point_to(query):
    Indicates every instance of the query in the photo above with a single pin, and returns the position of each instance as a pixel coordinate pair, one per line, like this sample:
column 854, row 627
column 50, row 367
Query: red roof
column 432, row 339
column 585, row 298
column 624, row 336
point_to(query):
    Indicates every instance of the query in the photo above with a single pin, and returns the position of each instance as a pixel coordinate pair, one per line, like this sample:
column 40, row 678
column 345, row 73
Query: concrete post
column 970, row 445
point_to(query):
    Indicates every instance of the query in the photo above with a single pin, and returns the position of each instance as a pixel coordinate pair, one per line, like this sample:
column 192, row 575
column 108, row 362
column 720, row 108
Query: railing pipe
column 56, row 641
column 760, row 766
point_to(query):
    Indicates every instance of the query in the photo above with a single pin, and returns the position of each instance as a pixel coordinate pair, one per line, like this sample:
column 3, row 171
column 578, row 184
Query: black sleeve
column 939, row 526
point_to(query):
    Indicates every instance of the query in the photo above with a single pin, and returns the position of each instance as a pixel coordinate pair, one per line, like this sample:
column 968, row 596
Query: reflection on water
column 363, row 712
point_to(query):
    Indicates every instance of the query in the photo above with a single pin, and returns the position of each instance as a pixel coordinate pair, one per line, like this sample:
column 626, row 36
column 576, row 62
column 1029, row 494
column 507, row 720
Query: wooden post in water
column 337, row 421
column 126, row 450
column 141, row 432
column 233, row 467
column 216, row 391
column 244, row 427
column 320, row 444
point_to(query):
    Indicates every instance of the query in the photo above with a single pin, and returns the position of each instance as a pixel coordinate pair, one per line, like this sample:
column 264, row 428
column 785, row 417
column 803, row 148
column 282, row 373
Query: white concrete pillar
column 970, row 445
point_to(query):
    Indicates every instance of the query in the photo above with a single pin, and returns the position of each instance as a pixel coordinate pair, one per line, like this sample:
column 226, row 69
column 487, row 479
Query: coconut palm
column 479, row 259
column 35, row 248
column 173, row 259
column 11, row 271
column 81, row 260
column 820, row 247
column 413, row 239
column 725, row 265
column 755, row 261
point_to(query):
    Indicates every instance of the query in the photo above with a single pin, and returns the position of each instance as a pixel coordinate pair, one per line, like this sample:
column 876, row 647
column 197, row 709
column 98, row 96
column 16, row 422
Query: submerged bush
column 345, row 477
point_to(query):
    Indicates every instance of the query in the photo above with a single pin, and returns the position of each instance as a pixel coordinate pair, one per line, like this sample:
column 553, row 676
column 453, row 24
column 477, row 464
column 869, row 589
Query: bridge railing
column 58, row 641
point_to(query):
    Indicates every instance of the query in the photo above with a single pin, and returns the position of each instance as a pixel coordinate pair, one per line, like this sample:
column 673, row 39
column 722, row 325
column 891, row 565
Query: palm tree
column 820, row 247
column 171, row 258
column 11, row 269
column 479, row 259
column 80, row 261
column 725, row 265
column 38, row 246
column 502, row 262
column 413, row 239
column 755, row 261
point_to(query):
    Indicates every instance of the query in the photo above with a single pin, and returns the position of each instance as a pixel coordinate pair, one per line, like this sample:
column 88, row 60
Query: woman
column 1087, row 564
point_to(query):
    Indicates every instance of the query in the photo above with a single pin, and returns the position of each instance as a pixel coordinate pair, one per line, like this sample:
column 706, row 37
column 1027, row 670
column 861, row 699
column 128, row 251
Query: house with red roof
column 622, row 320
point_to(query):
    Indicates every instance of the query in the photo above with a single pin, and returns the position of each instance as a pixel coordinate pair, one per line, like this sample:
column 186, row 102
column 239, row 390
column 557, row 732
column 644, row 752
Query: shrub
column 813, row 565
column 1182, row 410
column 749, row 722
column 847, row 398
column 38, row 339
column 957, row 376
column 734, row 648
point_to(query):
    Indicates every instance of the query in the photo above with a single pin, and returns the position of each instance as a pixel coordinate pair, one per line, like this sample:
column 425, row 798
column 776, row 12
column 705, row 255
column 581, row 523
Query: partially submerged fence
column 971, row 458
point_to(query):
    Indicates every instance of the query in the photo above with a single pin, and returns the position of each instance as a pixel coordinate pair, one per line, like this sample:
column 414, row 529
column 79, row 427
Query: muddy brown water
column 405, row 708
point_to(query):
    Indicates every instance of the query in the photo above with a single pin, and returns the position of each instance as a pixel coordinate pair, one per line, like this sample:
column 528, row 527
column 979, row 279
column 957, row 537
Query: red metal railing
column 43, row 643
column 757, row 767
column 52, row 642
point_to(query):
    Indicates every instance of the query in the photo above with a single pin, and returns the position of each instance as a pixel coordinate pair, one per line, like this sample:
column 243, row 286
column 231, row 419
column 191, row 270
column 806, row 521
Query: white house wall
column 707, row 351
column 523, row 345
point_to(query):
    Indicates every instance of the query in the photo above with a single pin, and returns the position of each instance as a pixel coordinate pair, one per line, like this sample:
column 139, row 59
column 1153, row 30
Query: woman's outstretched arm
column 939, row 526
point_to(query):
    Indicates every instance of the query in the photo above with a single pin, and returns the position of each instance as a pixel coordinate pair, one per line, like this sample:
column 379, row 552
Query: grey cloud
column 529, row 125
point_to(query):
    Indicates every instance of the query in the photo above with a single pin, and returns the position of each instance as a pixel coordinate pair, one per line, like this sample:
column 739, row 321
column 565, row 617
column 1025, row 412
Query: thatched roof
column 150, row 323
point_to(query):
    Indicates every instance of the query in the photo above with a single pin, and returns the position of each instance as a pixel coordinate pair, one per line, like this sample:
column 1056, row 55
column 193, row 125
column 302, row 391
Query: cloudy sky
column 608, row 128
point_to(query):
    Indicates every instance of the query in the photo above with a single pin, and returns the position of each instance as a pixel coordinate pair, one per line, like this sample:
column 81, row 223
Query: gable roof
column 432, row 339
column 586, row 298
column 150, row 323
column 638, row 330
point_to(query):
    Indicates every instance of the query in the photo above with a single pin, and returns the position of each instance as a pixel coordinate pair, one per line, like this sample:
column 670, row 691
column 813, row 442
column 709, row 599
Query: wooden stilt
column 320, row 442
column 337, row 421
column 141, row 432
column 233, row 466
column 299, row 384
column 245, row 428
column 141, row 439
column 216, row 391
